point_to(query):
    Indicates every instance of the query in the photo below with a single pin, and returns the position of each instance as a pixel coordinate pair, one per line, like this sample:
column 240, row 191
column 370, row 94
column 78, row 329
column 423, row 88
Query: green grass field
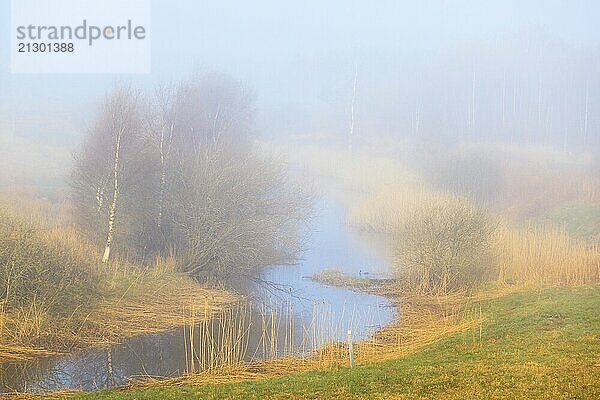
column 535, row 345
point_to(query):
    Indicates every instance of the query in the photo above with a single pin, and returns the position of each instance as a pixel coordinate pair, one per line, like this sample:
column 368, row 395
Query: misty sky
column 300, row 59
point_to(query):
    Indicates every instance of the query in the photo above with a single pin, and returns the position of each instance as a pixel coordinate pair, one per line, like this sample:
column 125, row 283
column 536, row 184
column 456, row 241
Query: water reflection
column 294, row 319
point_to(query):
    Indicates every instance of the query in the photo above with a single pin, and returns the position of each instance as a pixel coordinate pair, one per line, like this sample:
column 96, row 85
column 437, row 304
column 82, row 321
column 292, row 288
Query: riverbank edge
column 154, row 302
column 425, row 320
column 534, row 343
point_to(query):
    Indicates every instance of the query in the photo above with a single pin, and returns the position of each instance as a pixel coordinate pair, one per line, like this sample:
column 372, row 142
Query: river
column 306, row 314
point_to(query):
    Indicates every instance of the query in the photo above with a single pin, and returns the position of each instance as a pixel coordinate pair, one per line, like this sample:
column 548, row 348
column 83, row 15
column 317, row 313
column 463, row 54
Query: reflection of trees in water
column 79, row 370
column 154, row 355
column 244, row 333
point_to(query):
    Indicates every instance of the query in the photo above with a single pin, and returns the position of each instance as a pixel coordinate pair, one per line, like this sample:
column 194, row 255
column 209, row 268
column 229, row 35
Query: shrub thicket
column 41, row 265
column 444, row 247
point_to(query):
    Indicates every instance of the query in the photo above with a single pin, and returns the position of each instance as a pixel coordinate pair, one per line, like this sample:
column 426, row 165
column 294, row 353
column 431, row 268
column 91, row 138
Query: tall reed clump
column 44, row 272
column 41, row 263
column 445, row 246
column 449, row 246
column 545, row 256
column 270, row 331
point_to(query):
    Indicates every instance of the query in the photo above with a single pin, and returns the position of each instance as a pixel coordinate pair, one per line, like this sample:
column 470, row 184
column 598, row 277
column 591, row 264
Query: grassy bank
column 533, row 344
column 56, row 297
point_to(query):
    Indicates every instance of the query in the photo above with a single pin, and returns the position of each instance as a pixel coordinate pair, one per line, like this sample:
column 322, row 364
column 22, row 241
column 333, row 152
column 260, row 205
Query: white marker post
column 350, row 348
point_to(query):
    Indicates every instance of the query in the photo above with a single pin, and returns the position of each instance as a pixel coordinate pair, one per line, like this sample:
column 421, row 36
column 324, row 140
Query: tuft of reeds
column 545, row 256
column 55, row 297
column 424, row 320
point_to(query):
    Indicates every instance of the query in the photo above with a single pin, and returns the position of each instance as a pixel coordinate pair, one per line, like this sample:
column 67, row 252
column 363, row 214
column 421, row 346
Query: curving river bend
column 327, row 312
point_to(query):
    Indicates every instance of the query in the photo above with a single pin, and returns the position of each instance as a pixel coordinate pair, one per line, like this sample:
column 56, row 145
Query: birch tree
column 161, row 128
column 178, row 175
column 102, row 170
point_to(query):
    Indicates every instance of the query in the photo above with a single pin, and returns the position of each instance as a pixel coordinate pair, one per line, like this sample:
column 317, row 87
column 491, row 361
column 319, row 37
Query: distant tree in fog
column 207, row 115
column 177, row 174
column 352, row 104
column 232, row 214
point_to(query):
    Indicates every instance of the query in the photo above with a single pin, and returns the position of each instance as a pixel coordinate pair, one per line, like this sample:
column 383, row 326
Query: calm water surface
column 305, row 314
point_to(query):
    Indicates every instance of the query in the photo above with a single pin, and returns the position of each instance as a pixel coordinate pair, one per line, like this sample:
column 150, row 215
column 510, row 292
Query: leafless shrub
column 233, row 214
column 445, row 247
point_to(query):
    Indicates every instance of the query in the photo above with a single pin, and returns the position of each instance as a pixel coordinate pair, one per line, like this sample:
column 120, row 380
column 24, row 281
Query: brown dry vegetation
column 512, row 254
column 55, row 296
column 545, row 256
column 517, row 189
column 425, row 320
column 445, row 247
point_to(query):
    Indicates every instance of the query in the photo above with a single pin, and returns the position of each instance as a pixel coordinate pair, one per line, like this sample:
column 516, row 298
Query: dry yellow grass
column 162, row 307
column 9, row 352
column 543, row 256
column 425, row 320
column 524, row 255
column 38, row 396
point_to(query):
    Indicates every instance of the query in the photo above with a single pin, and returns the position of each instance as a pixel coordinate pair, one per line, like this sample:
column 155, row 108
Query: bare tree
column 178, row 174
column 100, row 176
column 230, row 209
column 165, row 127
column 234, row 214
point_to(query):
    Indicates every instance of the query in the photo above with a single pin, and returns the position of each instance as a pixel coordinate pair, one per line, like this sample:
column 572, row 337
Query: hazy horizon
column 510, row 71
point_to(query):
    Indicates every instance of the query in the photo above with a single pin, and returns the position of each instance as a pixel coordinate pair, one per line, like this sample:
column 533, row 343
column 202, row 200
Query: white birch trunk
column 161, row 193
column 163, row 173
column 352, row 112
column 113, row 205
